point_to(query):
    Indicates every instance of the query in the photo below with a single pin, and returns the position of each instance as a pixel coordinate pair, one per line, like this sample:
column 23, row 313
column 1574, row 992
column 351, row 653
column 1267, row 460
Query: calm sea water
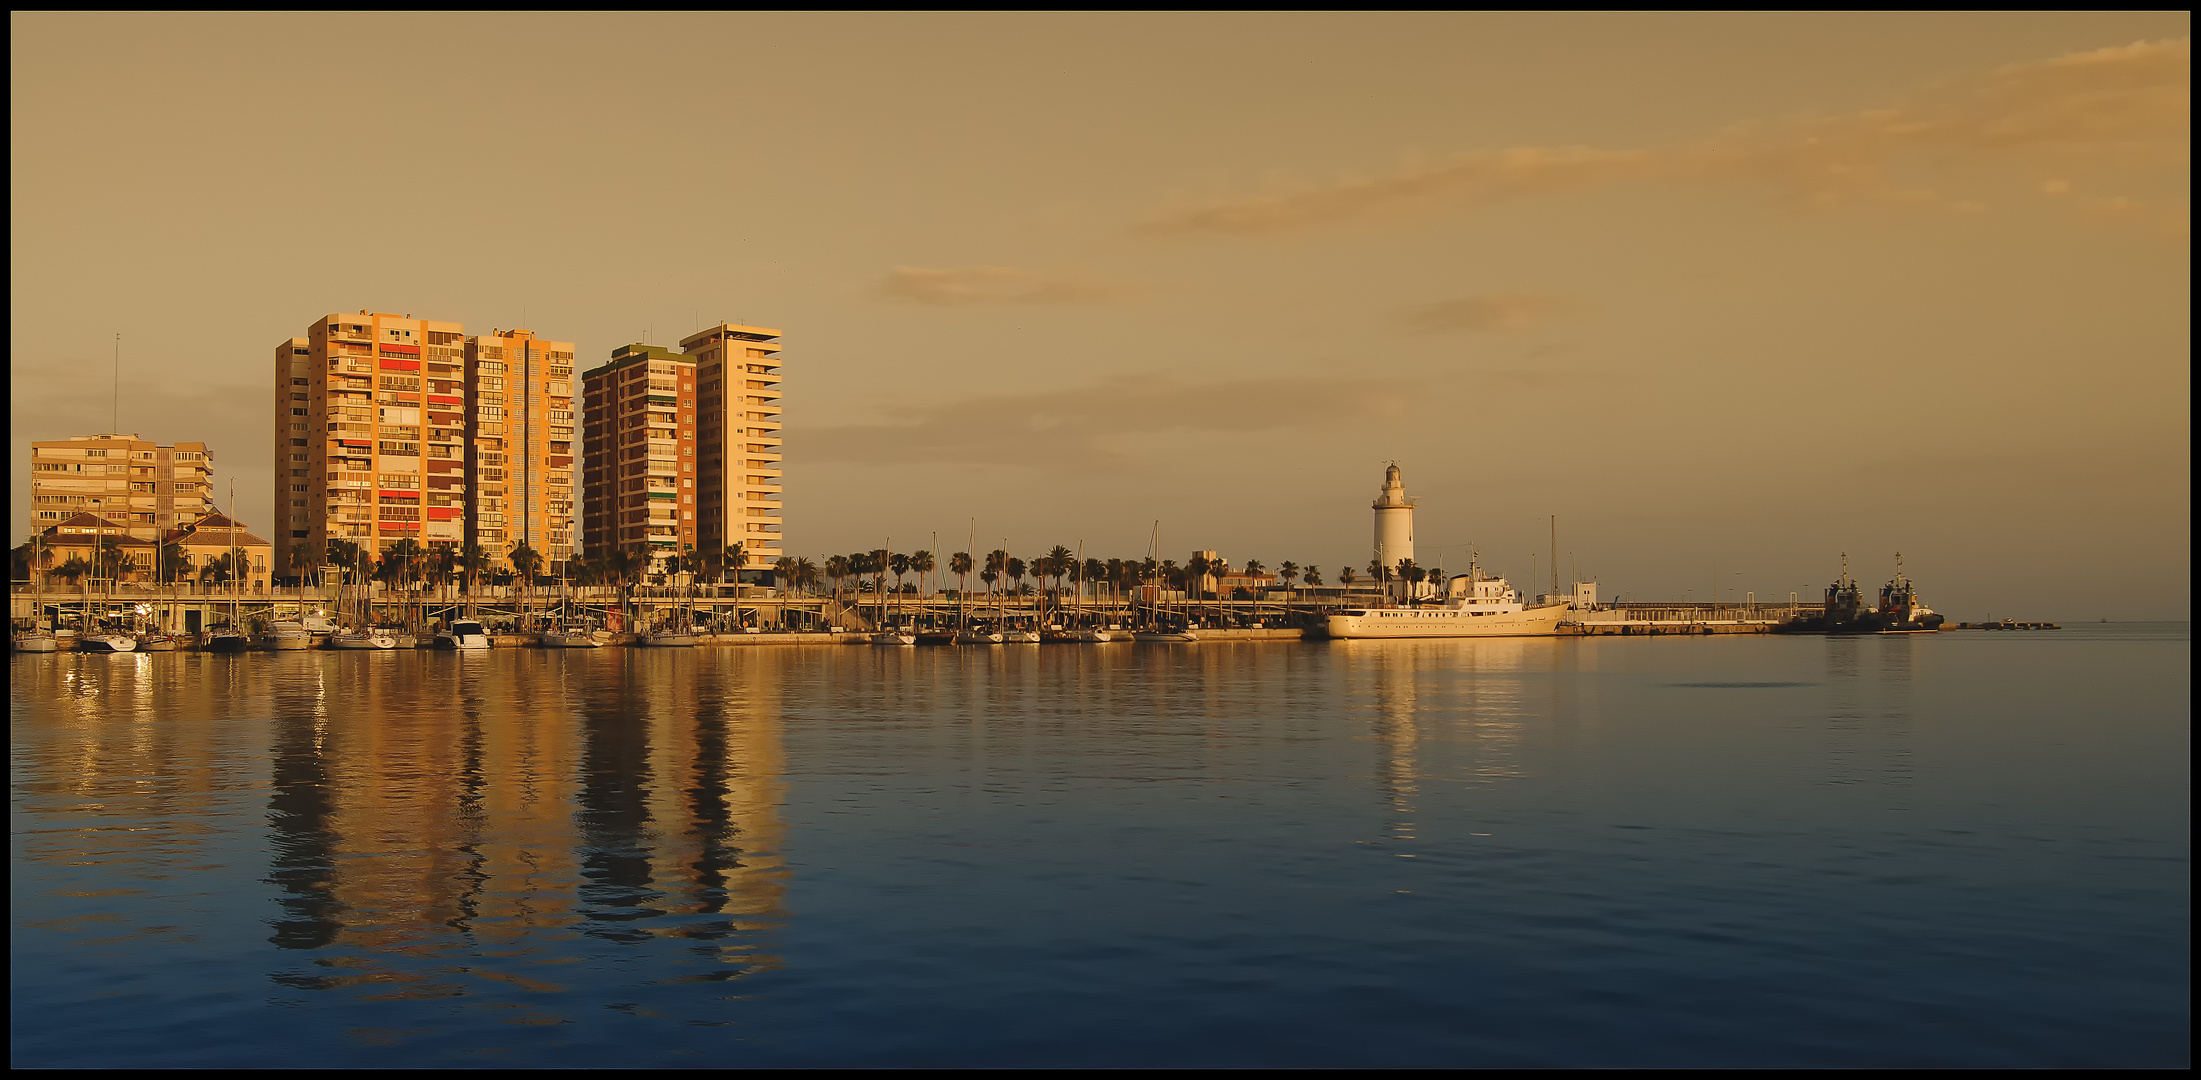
column 1960, row 849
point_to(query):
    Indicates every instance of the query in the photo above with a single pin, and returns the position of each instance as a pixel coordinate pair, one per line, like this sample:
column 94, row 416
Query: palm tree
column 1404, row 572
column 1016, row 570
column 1061, row 561
column 960, row 565
column 922, row 564
column 836, row 568
column 73, row 569
column 1436, row 578
column 732, row 561
column 806, row 574
column 1196, row 571
column 1344, row 577
column 1286, row 572
column 899, row 563
column 1313, row 576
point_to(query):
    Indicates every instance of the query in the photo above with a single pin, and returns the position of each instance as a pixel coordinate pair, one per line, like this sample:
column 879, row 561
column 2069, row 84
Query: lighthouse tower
column 1394, row 520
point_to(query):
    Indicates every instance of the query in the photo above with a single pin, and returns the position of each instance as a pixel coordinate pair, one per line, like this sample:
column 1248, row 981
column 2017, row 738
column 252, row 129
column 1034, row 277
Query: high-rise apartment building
column 641, row 480
column 391, row 428
column 519, row 440
column 739, row 494
column 384, row 430
column 145, row 487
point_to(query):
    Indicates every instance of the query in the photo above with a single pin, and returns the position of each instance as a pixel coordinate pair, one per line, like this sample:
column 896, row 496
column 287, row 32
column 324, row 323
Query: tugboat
column 1901, row 611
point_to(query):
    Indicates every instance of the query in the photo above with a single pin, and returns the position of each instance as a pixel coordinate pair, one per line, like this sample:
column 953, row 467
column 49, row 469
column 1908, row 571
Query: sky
column 1728, row 295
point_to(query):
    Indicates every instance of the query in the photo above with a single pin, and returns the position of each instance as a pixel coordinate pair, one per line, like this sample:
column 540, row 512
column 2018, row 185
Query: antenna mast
column 117, row 420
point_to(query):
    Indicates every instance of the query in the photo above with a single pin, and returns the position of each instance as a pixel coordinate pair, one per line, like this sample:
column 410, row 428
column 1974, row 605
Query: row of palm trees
column 999, row 571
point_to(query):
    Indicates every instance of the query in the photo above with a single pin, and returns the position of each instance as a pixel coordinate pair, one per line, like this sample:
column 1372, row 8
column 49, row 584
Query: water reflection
column 1867, row 726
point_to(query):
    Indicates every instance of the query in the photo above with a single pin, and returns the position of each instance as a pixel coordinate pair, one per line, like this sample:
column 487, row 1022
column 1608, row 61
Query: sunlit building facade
column 641, row 479
column 383, row 462
column 739, row 493
column 519, row 444
column 142, row 486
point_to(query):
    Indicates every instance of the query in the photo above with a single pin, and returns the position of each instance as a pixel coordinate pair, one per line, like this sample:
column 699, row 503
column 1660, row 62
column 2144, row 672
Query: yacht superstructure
column 1472, row 606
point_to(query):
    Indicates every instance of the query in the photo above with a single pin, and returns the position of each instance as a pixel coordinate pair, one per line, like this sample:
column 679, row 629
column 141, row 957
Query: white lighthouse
column 1394, row 520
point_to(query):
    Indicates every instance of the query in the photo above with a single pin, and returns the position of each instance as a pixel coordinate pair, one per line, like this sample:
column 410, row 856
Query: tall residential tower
column 739, row 440
column 640, row 484
column 519, row 440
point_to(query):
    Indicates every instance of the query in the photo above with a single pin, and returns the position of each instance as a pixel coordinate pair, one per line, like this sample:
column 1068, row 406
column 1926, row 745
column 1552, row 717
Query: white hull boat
column 463, row 634
column 1090, row 635
column 289, row 637
column 157, row 643
column 1166, row 636
column 894, row 638
column 108, row 643
column 574, row 639
column 1020, row 637
column 362, row 641
column 1473, row 606
column 978, row 637
column 37, row 641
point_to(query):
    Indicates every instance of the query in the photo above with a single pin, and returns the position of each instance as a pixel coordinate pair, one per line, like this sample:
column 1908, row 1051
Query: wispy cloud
column 1508, row 313
column 2128, row 106
column 1112, row 423
column 976, row 286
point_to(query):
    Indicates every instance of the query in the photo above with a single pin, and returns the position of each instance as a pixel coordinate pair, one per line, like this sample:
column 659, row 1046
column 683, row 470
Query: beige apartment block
column 641, row 481
column 739, row 495
column 383, row 429
column 519, row 443
column 145, row 487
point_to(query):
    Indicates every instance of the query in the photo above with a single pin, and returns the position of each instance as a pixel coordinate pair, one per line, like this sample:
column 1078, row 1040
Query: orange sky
column 1729, row 294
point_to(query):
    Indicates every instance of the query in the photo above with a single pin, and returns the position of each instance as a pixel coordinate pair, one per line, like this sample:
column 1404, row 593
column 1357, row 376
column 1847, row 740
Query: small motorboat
column 463, row 634
column 289, row 635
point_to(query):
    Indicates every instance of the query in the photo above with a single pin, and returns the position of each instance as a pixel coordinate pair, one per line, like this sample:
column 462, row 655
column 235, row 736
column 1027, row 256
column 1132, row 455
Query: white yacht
column 37, row 639
column 288, row 634
column 462, row 634
column 1472, row 606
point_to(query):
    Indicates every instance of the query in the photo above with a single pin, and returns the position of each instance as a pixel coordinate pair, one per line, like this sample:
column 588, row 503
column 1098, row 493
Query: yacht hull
column 1447, row 623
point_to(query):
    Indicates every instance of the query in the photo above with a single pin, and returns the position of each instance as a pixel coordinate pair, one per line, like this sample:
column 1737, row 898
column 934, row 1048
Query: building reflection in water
column 433, row 807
